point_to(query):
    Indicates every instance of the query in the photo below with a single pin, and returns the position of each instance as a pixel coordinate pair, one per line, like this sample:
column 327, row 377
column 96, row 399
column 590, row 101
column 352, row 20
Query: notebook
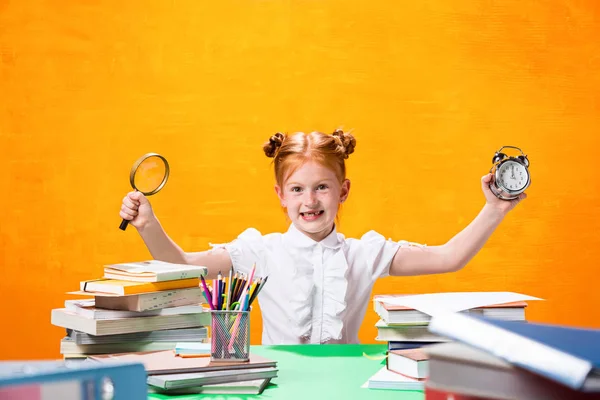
column 240, row 388
column 166, row 362
column 178, row 381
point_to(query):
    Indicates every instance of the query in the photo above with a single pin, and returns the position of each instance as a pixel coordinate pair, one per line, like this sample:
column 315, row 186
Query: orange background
column 431, row 89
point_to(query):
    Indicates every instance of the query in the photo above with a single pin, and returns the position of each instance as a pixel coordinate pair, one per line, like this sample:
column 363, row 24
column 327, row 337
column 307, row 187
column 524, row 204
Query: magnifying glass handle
column 123, row 225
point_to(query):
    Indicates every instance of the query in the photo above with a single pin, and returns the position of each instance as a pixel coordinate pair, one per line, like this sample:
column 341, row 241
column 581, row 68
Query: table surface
column 319, row 372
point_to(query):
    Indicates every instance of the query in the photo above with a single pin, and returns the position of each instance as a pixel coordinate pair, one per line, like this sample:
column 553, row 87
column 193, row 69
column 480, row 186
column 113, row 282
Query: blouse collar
column 299, row 239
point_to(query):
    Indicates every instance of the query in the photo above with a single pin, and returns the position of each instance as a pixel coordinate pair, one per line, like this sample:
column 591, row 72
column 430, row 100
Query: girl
column 319, row 281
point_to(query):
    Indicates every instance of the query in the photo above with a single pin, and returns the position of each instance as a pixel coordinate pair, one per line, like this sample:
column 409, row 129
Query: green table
column 319, row 372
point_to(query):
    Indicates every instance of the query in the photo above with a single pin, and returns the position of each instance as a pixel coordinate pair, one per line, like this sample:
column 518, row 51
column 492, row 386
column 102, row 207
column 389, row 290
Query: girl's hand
column 504, row 206
column 136, row 209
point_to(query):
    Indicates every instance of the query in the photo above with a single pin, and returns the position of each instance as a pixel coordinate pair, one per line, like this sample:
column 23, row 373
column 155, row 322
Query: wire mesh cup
column 230, row 338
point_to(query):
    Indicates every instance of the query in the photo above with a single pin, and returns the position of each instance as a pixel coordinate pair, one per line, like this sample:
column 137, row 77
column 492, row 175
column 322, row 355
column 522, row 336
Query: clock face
column 512, row 175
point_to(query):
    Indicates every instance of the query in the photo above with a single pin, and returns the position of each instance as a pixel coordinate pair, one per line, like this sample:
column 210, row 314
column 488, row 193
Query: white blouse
column 317, row 292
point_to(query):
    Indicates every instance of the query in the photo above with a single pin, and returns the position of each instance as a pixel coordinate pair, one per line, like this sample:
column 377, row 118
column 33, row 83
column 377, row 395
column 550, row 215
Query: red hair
column 290, row 152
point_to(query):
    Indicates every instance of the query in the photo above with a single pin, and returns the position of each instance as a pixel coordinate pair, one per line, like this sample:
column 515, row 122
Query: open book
column 153, row 271
column 418, row 309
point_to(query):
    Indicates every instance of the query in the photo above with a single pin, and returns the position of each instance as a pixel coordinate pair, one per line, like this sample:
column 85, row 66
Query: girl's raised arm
column 459, row 250
column 137, row 209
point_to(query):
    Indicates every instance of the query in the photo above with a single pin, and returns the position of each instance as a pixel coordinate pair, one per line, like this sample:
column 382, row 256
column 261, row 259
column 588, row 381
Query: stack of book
column 405, row 328
column 141, row 306
column 171, row 372
column 491, row 359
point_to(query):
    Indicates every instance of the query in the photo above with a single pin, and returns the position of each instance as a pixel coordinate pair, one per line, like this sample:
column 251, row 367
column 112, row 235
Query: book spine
column 513, row 348
column 150, row 287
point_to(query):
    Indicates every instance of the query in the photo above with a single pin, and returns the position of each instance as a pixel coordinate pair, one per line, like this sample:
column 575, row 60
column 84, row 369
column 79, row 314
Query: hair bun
column 273, row 145
column 347, row 141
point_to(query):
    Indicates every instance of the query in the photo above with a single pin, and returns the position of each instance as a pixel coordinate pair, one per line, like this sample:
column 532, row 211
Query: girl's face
column 312, row 195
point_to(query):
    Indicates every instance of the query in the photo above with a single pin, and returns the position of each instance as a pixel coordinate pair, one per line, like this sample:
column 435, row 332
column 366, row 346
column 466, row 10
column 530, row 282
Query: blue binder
column 77, row 380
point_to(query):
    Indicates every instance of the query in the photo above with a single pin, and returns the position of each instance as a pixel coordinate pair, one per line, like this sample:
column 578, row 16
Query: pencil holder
column 230, row 336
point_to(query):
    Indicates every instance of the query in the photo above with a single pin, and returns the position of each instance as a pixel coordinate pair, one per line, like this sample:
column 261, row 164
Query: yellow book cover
column 124, row 288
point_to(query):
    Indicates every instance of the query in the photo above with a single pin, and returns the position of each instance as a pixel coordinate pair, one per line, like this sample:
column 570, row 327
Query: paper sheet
column 392, row 380
column 436, row 303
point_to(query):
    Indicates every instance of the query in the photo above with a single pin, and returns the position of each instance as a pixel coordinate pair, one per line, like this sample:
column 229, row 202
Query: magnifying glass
column 148, row 175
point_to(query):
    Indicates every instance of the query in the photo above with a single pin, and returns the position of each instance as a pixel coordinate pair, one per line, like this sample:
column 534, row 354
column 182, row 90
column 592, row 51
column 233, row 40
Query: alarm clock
column 511, row 174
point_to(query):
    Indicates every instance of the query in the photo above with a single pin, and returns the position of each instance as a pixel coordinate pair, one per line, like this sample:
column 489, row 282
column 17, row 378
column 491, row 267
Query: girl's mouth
column 311, row 216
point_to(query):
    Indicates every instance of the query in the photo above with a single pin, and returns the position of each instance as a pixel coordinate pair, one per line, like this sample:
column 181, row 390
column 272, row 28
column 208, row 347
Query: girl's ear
column 280, row 195
column 345, row 190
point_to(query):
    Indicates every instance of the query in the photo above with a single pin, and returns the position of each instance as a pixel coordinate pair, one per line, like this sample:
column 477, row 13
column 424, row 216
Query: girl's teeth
column 312, row 214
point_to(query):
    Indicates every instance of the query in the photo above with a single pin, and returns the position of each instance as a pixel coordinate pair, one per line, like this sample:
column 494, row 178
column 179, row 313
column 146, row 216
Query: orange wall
column 431, row 89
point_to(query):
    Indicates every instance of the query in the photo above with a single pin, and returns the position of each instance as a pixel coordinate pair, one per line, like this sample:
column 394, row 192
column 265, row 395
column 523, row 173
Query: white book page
column 385, row 375
column 153, row 266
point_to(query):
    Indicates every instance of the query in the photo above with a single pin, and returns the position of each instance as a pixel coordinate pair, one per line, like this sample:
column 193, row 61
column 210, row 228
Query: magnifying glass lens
column 150, row 174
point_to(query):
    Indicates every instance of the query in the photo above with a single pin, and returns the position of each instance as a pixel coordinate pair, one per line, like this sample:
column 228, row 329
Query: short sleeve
column 381, row 251
column 247, row 249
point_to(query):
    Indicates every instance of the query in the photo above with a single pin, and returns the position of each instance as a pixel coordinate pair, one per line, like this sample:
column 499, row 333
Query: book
column 74, row 357
column 146, row 301
column 465, row 371
column 442, row 394
column 405, row 333
column 66, row 319
column 192, row 348
column 153, row 271
column 240, row 388
column 43, row 380
column 123, row 287
column 386, row 379
column 401, row 345
column 570, row 356
column 410, row 362
column 196, row 334
column 178, row 381
column 69, row 346
column 166, row 362
column 152, row 301
column 402, row 315
column 87, row 309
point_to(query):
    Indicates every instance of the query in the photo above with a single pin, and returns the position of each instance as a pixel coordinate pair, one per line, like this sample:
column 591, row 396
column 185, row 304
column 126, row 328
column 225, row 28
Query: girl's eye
column 321, row 187
column 296, row 189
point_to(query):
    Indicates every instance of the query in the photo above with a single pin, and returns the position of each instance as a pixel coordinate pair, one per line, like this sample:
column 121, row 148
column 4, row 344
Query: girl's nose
column 310, row 199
